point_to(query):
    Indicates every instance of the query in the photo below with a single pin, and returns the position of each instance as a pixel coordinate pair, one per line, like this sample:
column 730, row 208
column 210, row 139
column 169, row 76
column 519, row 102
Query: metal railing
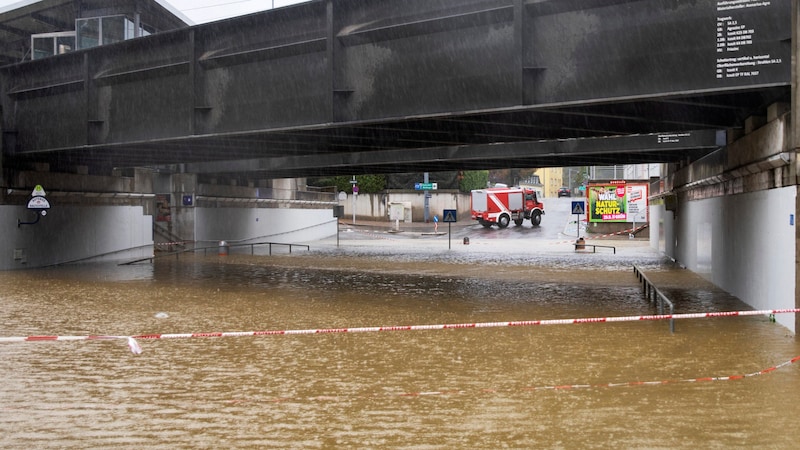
column 253, row 245
column 654, row 295
column 218, row 249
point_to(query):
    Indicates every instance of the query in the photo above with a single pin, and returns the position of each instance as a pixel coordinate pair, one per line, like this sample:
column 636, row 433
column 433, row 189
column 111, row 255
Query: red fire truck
column 501, row 205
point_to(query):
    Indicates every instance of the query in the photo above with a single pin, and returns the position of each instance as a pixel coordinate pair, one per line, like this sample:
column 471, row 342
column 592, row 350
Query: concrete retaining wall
column 376, row 206
column 280, row 225
column 71, row 233
column 742, row 243
column 121, row 233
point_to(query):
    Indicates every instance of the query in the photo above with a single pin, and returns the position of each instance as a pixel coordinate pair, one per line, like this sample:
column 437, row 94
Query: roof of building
column 22, row 19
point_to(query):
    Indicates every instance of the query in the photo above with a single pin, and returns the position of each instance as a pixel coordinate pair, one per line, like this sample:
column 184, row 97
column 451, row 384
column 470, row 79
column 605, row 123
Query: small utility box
column 399, row 211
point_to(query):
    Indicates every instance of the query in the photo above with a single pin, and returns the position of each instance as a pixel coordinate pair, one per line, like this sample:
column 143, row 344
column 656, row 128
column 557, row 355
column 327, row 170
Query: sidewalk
column 413, row 227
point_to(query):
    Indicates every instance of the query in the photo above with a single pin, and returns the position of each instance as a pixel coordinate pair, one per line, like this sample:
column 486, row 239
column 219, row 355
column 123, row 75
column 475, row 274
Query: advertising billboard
column 617, row 201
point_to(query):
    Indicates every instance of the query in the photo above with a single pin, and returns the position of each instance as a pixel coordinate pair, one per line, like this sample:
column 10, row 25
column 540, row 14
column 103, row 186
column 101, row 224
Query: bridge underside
column 369, row 86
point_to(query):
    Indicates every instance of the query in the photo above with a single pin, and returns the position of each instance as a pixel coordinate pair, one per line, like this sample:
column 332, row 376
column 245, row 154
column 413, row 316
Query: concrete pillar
column 143, row 181
column 184, row 185
column 284, row 188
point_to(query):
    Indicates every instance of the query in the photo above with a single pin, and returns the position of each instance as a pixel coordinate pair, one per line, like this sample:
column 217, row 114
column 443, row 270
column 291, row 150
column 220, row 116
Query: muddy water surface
column 519, row 387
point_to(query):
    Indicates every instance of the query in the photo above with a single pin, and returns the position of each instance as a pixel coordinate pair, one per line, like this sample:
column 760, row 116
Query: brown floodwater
column 501, row 387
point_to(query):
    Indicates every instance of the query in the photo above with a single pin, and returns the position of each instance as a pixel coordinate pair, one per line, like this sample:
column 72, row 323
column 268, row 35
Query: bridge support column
column 184, row 188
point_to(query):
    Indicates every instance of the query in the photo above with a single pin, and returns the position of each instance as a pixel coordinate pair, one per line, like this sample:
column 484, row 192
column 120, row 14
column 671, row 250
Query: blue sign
column 577, row 208
column 449, row 215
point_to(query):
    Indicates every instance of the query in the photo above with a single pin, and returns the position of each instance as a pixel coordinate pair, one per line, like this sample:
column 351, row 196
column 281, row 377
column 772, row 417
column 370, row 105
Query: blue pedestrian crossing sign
column 577, row 208
column 449, row 215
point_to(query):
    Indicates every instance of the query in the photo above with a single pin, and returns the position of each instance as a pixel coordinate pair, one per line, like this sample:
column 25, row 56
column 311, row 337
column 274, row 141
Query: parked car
column 563, row 191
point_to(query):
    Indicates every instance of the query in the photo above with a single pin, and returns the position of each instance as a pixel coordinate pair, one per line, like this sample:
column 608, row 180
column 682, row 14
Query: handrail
column 253, row 244
column 654, row 295
column 216, row 248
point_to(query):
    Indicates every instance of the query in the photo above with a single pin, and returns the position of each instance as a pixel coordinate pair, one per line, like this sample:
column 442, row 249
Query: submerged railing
column 654, row 295
column 221, row 249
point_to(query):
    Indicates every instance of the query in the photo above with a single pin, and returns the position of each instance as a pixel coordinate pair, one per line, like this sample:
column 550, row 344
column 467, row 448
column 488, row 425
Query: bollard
column 466, row 241
column 223, row 248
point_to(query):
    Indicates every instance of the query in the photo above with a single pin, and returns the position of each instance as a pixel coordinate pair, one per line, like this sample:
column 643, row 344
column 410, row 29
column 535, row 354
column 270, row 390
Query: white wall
column 281, row 225
column 70, row 233
column 742, row 243
column 662, row 230
column 375, row 206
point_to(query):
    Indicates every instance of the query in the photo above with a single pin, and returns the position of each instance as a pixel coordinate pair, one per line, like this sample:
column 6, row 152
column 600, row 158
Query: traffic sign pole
column 449, row 216
column 579, row 210
column 449, row 236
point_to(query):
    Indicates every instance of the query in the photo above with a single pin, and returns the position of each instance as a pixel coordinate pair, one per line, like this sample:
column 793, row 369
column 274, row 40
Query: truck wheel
column 518, row 222
column 486, row 224
column 536, row 218
column 503, row 220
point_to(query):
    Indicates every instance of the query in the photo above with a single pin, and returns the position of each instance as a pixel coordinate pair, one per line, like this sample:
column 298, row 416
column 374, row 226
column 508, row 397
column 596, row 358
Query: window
column 65, row 44
column 113, row 30
column 106, row 30
column 42, row 47
column 88, row 32
column 49, row 44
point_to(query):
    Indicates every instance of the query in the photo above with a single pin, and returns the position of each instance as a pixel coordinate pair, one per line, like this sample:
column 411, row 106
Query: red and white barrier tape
column 135, row 348
column 602, row 236
column 628, row 231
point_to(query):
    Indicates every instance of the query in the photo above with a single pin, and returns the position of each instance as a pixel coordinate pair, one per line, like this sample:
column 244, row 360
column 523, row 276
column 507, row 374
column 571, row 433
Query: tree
column 473, row 179
column 371, row 184
column 444, row 180
column 367, row 184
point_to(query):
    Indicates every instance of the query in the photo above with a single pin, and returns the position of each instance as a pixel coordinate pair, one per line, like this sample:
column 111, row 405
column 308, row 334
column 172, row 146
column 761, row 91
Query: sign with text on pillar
column 38, row 201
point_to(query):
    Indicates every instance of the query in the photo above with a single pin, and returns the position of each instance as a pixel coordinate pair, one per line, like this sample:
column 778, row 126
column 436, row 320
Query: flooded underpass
column 554, row 386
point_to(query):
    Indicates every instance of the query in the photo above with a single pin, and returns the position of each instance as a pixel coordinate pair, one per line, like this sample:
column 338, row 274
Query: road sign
column 38, row 200
column 449, row 215
column 577, row 208
column 426, row 186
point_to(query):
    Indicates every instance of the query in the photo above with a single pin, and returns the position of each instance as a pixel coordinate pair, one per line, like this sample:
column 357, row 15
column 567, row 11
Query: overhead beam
column 660, row 145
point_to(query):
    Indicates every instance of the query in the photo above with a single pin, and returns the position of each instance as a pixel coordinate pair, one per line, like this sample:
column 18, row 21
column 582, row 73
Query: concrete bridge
column 214, row 112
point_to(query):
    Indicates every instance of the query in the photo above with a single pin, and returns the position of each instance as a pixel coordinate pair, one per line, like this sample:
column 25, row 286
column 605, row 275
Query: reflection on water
column 420, row 389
